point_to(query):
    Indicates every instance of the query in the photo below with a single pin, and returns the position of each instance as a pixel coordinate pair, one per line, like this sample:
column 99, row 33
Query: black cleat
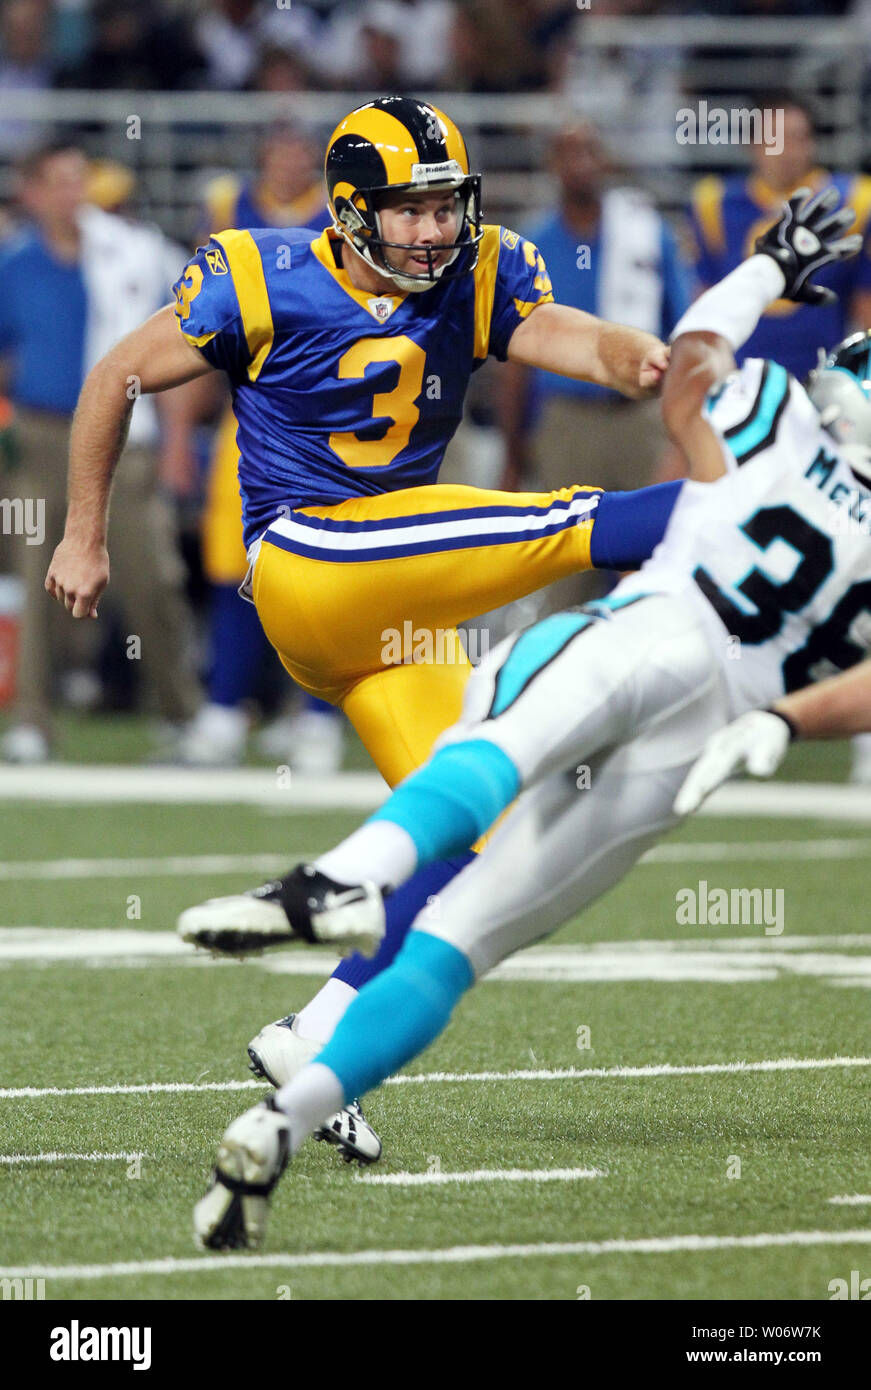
column 304, row 905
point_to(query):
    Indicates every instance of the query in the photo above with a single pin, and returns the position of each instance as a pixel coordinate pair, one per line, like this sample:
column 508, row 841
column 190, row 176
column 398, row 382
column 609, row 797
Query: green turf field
column 725, row 1154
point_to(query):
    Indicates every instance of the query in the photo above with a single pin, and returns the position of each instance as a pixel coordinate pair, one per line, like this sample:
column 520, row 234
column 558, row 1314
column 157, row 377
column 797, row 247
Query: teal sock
column 452, row 800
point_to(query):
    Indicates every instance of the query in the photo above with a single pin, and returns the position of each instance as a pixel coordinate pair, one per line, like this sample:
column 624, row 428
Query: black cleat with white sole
column 304, row 905
column 252, row 1156
column 277, row 1054
column 352, row 1134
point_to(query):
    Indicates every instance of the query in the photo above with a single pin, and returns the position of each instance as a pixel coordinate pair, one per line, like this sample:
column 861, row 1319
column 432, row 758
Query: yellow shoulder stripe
column 485, row 288
column 222, row 195
column 525, row 307
column 708, row 203
column 859, row 199
column 322, row 249
column 246, row 269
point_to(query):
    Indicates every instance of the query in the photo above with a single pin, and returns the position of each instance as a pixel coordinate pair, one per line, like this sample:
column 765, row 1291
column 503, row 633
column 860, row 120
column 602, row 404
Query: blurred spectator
column 227, row 33
column 426, row 42
column 772, row 9
column 235, row 37
column 287, row 191
column 381, row 34
column 281, row 71
column 136, row 47
column 110, row 185
column 608, row 252
column 388, row 45
column 25, row 65
column 74, row 281
column 508, row 45
column 632, row 91
column 729, row 213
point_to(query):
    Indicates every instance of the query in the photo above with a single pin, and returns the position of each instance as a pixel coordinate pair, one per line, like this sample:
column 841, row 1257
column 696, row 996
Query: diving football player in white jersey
column 760, row 586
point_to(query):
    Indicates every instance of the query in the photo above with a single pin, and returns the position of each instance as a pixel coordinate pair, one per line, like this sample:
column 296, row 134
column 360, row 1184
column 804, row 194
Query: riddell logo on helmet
column 443, row 172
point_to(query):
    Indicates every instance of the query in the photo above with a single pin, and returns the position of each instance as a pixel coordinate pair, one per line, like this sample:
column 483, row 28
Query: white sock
column 308, row 1100
column 318, row 1019
column 379, row 850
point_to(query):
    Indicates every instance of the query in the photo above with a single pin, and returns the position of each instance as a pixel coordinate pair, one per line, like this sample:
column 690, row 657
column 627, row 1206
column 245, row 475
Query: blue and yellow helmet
column 399, row 144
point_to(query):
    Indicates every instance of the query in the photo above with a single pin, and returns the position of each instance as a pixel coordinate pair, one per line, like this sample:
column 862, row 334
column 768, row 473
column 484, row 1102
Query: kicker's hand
column 653, row 367
column 77, row 576
column 807, row 236
column 756, row 742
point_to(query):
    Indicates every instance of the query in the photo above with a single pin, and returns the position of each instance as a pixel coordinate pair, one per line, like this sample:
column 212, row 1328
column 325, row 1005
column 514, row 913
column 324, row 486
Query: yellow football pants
column 361, row 600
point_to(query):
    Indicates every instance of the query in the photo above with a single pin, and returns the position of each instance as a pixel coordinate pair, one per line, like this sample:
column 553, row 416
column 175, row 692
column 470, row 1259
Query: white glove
column 757, row 741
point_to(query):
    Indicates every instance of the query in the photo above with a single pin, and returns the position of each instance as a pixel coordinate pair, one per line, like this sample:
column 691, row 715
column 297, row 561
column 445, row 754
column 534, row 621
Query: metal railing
column 180, row 140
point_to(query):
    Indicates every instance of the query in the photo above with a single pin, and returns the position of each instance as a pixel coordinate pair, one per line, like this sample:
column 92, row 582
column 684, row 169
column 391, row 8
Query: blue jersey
column 728, row 215
column 230, row 202
column 581, row 288
column 338, row 392
column 43, row 323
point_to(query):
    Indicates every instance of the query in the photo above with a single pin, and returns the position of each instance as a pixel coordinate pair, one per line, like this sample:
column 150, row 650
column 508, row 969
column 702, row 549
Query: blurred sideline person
column 72, row 282
column 608, row 252
column 26, row 65
column 349, row 361
column 727, row 214
column 287, row 191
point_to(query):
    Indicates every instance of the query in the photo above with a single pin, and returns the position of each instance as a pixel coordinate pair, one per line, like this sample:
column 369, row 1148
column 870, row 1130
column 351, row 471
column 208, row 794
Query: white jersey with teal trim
column 776, row 555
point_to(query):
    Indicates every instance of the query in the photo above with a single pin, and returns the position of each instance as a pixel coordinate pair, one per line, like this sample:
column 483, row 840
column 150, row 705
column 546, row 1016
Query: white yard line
column 689, row 852
column 793, row 800
column 145, row 1088
column 439, row 1077
column 72, row 783
column 755, row 958
column 857, row 1199
column 859, row 940
column 629, row 1073
column 41, row 942
column 479, row 1175
column 456, row 1254
column 168, row 866
column 192, row 865
column 80, row 784
column 68, row 1158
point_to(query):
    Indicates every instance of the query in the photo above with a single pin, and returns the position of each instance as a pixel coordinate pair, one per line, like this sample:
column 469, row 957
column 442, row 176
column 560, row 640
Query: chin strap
column 406, row 284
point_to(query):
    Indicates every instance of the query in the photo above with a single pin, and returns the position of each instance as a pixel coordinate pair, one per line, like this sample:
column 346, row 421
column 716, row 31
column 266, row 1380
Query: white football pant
column 603, row 734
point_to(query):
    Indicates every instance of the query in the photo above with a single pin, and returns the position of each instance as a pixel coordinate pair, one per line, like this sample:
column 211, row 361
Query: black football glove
column 805, row 238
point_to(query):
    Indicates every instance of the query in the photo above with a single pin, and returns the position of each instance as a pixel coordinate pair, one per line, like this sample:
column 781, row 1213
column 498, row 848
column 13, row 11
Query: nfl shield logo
column 381, row 308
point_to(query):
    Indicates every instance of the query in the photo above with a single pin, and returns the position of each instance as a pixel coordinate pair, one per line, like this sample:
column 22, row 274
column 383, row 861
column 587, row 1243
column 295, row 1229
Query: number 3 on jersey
column 397, row 405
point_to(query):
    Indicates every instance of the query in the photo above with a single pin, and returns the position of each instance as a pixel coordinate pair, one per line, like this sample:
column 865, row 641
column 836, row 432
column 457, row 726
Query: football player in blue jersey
column 727, row 214
column 348, row 355
column 287, row 191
